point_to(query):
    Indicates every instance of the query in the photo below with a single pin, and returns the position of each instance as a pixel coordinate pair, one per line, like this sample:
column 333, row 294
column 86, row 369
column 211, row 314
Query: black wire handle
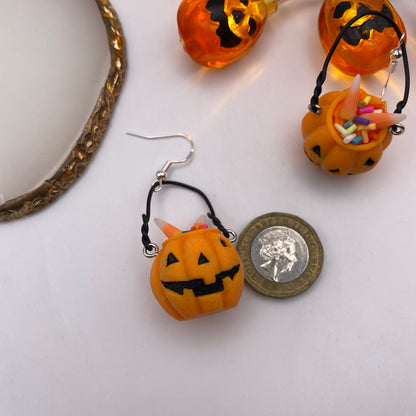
column 150, row 249
column 315, row 108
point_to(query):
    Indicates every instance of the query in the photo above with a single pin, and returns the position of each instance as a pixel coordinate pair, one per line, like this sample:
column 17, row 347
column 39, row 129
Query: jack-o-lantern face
column 217, row 32
column 365, row 47
column 196, row 273
column 241, row 18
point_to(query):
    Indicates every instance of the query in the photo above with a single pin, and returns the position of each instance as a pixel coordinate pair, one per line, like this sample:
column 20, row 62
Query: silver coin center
column 280, row 254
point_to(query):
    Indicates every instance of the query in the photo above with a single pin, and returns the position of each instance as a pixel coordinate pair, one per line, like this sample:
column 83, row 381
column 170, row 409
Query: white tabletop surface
column 80, row 331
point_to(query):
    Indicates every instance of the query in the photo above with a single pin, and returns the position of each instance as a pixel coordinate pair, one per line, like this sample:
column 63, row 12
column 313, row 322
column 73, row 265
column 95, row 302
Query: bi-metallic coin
column 281, row 253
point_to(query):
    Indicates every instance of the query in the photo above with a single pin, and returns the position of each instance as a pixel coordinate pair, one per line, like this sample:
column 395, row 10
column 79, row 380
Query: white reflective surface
column 55, row 60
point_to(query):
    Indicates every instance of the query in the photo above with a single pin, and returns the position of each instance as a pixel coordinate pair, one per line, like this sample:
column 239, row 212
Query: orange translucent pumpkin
column 196, row 273
column 365, row 48
column 325, row 147
column 217, row 32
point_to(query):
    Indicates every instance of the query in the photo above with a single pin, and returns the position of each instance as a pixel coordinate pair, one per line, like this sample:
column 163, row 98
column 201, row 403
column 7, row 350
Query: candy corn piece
column 200, row 223
column 383, row 120
column 167, row 229
column 352, row 99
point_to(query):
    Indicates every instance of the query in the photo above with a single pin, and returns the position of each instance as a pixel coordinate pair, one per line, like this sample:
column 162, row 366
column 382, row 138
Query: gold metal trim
column 91, row 135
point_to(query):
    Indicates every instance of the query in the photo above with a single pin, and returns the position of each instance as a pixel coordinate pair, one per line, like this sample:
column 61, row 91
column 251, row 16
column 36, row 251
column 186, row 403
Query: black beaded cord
column 146, row 217
column 314, row 107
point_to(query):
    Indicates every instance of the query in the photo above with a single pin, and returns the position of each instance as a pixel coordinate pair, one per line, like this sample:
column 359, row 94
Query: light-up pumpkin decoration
column 196, row 272
column 350, row 133
column 217, row 32
column 365, row 47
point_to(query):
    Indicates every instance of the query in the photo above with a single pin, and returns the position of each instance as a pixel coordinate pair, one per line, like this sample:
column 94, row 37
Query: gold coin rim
column 281, row 289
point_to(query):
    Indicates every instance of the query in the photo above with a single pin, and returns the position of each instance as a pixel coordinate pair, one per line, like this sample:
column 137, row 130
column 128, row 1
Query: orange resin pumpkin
column 196, row 273
column 217, row 32
column 325, row 147
column 365, row 47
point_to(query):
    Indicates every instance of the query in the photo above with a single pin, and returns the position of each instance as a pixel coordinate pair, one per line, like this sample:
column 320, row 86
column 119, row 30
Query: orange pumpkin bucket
column 196, row 272
column 347, row 132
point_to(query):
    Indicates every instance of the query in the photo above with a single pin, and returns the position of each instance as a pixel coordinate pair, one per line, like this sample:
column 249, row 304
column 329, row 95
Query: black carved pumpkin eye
column 238, row 16
column 369, row 162
column 223, row 243
column 202, row 259
column 317, row 150
column 341, row 9
column 253, row 26
column 171, row 260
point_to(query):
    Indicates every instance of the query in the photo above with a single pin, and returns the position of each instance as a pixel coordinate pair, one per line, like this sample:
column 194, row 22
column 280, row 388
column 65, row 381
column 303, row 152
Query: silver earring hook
column 161, row 173
column 395, row 56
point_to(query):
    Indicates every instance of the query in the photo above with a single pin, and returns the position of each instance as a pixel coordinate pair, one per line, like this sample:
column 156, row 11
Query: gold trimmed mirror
column 59, row 58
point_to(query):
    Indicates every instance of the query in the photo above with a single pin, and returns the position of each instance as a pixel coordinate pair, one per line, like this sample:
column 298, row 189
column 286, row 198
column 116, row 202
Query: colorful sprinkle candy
column 357, row 140
column 365, row 102
column 349, row 138
column 341, row 129
column 365, row 110
column 361, row 120
column 362, row 117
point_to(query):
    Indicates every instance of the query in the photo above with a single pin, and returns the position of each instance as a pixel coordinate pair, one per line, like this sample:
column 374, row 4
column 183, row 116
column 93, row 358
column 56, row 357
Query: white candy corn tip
column 168, row 229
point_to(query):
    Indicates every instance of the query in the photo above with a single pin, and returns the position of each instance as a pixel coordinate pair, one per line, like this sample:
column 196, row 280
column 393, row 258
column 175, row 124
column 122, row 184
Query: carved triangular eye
column 341, row 9
column 202, row 259
column 223, row 243
column 238, row 16
column 171, row 260
column 253, row 26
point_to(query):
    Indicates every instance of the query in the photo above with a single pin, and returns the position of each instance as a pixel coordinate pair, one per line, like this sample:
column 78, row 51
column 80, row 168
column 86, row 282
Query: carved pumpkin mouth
column 355, row 34
column 199, row 287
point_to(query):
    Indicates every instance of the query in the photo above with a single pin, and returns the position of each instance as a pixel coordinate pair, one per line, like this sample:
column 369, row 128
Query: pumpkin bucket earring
column 217, row 32
column 346, row 132
column 197, row 271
